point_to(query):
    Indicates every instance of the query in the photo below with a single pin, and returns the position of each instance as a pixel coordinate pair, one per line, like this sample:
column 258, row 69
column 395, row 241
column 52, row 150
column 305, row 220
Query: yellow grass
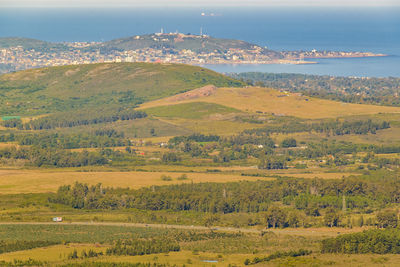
column 26, row 181
column 272, row 101
column 212, row 125
column 182, row 257
column 388, row 156
column 58, row 255
column 153, row 139
column 6, row 145
column 37, row 181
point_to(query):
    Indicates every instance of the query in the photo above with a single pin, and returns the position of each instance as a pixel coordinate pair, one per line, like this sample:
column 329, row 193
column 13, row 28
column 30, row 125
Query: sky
column 192, row 3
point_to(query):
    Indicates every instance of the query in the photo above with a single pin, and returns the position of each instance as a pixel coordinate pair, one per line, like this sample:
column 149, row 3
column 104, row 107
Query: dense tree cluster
column 272, row 163
column 289, row 142
column 278, row 255
column 170, row 157
column 100, row 138
column 84, row 255
column 9, row 246
column 335, row 127
column 372, row 241
column 53, row 157
column 387, row 219
column 309, row 196
column 73, row 119
column 195, row 138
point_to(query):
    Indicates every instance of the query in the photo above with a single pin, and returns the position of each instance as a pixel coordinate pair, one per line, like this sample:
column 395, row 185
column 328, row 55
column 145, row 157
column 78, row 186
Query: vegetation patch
column 71, row 88
column 372, row 241
column 195, row 110
column 132, row 247
column 278, row 255
column 9, row 246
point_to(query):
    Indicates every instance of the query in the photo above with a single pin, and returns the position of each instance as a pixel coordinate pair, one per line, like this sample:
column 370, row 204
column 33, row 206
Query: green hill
column 107, row 85
column 28, row 43
column 178, row 42
column 172, row 42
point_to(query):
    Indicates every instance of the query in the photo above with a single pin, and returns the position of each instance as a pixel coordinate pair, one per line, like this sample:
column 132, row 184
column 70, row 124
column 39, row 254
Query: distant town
column 161, row 47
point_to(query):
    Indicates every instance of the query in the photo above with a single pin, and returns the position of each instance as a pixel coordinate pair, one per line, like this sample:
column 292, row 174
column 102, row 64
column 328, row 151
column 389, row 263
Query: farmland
column 215, row 247
column 37, row 181
column 208, row 169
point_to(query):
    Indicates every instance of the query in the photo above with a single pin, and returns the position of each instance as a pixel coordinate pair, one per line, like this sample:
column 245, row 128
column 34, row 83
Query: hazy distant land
column 24, row 53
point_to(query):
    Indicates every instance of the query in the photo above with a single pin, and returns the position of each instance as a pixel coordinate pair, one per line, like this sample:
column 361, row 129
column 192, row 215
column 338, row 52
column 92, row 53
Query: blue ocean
column 341, row 29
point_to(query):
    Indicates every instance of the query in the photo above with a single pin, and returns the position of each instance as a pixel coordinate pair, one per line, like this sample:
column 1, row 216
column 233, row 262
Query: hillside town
column 16, row 58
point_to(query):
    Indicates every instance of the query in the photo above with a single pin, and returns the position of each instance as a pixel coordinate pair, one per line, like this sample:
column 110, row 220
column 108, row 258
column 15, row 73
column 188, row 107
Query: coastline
column 292, row 61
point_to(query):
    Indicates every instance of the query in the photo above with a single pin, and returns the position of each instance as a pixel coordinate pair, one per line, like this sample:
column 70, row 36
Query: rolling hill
column 178, row 42
column 29, row 43
column 174, row 42
column 266, row 100
column 113, row 85
column 176, row 99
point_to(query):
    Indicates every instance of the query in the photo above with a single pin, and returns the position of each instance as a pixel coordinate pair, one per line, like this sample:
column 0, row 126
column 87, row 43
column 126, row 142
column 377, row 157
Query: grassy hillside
column 258, row 100
column 49, row 90
column 28, row 43
column 195, row 110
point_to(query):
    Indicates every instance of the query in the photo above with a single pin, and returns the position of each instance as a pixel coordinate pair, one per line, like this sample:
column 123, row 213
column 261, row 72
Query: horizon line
column 279, row 5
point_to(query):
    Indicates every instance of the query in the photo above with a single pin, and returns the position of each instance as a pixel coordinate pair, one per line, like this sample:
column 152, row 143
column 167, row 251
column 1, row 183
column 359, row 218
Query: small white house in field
column 57, row 219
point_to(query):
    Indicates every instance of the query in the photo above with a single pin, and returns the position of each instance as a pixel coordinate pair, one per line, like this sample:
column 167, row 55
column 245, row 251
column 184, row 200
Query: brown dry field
column 254, row 99
column 6, row 145
column 212, row 125
column 26, row 181
column 36, row 181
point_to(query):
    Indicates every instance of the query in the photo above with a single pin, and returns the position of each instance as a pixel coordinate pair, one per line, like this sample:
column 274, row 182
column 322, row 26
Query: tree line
column 53, row 157
column 335, row 127
column 73, row 119
column 9, row 246
column 309, row 196
column 372, row 241
column 97, row 139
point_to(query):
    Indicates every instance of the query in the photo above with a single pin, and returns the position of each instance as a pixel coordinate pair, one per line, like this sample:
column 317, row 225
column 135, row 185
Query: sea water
column 341, row 29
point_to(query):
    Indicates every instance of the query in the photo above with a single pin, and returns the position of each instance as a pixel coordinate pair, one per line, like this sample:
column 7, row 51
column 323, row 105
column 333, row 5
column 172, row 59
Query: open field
column 54, row 254
column 212, row 125
column 220, row 251
column 57, row 255
column 255, row 99
column 193, row 110
column 13, row 182
column 6, row 145
column 36, row 181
